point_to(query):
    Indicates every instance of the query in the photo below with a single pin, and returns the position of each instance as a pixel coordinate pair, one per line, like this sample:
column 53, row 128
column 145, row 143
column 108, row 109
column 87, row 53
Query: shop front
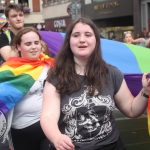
column 57, row 24
column 112, row 17
column 145, row 13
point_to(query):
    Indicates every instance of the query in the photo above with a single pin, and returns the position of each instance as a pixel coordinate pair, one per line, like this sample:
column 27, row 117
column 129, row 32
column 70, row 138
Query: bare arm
column 139, row 40
column 7, row 52
column 50, row 116
column 147, row 42
column 130, row 106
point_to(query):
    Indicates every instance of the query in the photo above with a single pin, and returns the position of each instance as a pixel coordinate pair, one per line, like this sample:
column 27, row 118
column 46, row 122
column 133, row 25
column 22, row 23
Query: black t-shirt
column 88, row 120
column 4, row 41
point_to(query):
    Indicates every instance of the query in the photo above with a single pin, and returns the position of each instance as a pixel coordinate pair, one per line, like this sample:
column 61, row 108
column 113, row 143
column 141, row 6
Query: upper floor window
column 94, row 1
column 54, row 1
column 23, row 3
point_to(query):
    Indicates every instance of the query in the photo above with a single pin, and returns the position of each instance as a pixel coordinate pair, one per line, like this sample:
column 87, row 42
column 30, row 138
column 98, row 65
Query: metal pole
column 3, row 4
column 75, row 7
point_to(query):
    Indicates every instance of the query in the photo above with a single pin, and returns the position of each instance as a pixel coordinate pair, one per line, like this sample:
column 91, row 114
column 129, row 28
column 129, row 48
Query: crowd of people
column 66, row 102
column 140, row 40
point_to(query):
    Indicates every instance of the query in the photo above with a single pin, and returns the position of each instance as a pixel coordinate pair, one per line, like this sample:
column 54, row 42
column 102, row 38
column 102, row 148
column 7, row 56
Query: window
column 23, row 3
column 94, row 1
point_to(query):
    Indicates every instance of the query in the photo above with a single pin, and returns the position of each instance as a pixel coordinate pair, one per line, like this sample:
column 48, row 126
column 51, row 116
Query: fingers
column 67, row 146
column 64, row 143
column 146, row 80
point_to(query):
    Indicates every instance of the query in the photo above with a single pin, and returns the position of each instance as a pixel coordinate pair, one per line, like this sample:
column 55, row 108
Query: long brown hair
column 96, row 69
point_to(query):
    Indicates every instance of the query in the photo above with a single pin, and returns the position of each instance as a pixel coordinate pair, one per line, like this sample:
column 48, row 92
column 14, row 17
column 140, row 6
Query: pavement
column 133, row 132
column 4, row 146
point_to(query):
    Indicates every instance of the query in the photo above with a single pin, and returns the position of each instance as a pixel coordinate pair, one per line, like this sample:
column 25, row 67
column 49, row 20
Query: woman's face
column 30, row 46
column 82, row 41
column 128, row 38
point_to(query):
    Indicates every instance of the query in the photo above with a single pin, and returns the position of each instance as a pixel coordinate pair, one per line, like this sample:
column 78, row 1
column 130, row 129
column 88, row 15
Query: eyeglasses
column 126, row 32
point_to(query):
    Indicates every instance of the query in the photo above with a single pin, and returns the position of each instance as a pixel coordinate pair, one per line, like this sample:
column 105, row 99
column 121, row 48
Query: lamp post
column 3, row 3
column 76, row 9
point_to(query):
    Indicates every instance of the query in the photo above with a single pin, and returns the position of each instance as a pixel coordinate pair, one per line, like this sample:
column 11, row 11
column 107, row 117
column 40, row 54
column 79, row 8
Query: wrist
column 145, row 94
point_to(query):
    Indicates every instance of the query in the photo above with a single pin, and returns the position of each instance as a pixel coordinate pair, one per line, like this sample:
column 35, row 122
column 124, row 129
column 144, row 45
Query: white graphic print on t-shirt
column 87, row 117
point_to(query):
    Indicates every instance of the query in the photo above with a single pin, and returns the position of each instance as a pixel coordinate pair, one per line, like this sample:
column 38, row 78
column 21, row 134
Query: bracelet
column 145, row 95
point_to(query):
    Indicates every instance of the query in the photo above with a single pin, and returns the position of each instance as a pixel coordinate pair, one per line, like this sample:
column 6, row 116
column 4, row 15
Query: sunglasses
column 126, row 32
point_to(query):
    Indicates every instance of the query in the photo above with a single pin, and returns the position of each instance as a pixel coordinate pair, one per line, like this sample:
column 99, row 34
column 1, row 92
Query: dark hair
column 16, row 7
column 64, row 70
column 147, row 34
column 17, row 38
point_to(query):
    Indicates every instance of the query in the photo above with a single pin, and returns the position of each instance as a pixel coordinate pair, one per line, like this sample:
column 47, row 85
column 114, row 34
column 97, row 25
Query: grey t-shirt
column 88, row 120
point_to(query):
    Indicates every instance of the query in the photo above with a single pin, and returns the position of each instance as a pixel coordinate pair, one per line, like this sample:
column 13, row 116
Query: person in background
column 129, row 39
column 3, row 24
column 81, row 92
column 148, row 39
column 113, row 38
column 15, row 18
column 45, row 48
column 4, row 32
column 148, row 35
column 31, row 68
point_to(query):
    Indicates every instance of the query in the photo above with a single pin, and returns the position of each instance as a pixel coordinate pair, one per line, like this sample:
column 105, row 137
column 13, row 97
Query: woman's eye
column 36, row 43
column 75, row 35
column 28, row 44
column 88, row 35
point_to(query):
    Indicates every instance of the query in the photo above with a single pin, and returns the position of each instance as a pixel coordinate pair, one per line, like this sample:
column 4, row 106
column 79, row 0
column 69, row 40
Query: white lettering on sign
column 59, row 23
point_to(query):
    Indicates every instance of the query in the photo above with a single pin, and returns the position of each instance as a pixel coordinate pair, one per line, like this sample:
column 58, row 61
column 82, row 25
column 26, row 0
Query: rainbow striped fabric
column 17, row 75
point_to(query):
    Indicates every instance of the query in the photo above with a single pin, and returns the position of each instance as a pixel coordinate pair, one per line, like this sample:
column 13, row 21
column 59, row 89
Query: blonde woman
column 129, row 39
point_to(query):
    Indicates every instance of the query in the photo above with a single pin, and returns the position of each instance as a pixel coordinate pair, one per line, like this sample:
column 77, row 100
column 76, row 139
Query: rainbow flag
column 17, row 76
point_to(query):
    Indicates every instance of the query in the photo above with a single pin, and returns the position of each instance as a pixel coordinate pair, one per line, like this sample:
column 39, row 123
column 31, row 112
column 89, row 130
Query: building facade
column 112, row 17
column 145, row 13
column 56, row 14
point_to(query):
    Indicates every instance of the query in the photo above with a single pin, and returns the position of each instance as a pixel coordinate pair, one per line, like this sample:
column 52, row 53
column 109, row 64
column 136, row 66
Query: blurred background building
column 112, row 17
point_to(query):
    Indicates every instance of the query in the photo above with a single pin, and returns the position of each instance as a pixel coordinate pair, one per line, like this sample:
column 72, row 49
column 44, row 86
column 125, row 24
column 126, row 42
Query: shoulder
column 116, row 77
column 114, row 70
column 3, row 35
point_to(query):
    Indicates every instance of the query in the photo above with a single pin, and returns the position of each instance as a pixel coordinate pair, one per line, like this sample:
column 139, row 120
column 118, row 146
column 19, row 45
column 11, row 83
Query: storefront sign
column 106, row 12
column 109, row 9
column 105, row 6
column 59, row 23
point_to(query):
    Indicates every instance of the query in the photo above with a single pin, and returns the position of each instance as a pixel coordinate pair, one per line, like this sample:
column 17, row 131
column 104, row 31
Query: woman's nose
column 33, row 45
column 82, row 38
